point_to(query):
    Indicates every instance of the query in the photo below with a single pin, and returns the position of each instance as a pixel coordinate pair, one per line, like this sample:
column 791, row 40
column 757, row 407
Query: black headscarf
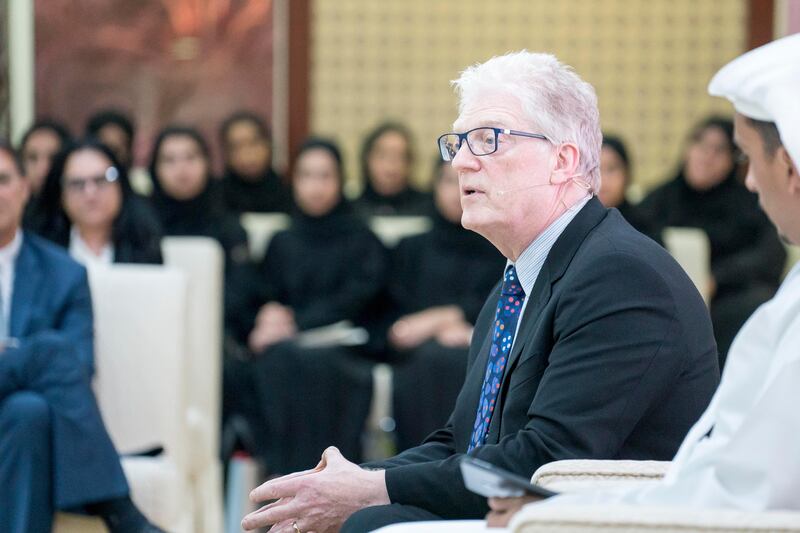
column 195, row 216
column 408, row 201
column 264, row 194
column 341, row 219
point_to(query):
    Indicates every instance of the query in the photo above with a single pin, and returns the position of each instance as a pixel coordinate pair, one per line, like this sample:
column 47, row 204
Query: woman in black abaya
column 747, row 257
column 326, row 268
column 386, row 164
column 250, row 184
column 188, row 203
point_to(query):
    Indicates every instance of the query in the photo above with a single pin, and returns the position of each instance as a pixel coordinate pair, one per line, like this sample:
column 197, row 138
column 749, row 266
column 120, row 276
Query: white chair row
column 261, row 227
column 158, row 356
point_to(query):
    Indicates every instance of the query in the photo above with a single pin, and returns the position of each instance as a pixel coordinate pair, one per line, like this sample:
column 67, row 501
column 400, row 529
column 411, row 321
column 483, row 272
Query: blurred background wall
column 650, row 62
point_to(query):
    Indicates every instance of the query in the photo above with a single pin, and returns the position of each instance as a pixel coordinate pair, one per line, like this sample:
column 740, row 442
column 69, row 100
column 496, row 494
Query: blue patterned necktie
column 505, row 327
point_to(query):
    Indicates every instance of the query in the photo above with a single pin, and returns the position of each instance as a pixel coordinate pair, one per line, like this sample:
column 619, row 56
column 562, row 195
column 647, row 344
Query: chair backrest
column 692, row 250
column 260, row 228
column 792, row 257
column 202, row 260
column 391, row 229
column 140, row 356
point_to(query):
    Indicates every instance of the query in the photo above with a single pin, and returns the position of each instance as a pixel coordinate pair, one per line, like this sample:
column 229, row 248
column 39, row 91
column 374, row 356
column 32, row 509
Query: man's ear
column 790, row 168
column 566, row 165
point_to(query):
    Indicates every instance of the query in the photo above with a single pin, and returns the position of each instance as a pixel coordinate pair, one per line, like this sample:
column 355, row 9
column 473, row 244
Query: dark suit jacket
column 51, row 297
column 614, row 359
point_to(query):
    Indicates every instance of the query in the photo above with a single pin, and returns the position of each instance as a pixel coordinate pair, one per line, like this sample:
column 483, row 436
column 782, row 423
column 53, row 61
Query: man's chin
column 473, row 223
column 468, row 222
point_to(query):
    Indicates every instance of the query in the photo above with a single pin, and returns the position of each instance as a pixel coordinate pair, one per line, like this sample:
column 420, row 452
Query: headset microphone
column 520, row 189
column 575, row 179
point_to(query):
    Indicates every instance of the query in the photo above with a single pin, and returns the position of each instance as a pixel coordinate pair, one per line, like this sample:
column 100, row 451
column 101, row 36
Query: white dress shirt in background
column 8, row 259
column 84, row 255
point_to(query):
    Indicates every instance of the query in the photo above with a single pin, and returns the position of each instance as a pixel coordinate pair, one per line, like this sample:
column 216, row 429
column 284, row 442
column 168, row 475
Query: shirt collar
column 9, row 253
column 530, row 261
column 81, row 252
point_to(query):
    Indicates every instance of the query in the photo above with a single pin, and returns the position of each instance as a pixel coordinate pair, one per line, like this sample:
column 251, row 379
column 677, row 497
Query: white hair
column 555, row 99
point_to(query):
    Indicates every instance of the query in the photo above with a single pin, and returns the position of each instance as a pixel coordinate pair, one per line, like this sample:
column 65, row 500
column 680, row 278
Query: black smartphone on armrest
column 494, row 482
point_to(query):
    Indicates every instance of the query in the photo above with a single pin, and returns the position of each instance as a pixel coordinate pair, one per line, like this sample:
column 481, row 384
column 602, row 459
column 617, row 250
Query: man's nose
column 465, row 159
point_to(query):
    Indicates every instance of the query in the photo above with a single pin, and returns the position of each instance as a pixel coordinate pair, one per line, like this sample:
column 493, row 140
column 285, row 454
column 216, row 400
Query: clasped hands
column 274, row 323
column 318, row 500
column 446, row 324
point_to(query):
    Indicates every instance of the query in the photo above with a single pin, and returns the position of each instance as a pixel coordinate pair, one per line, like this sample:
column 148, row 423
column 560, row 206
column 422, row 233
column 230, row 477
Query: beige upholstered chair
column 692, row 250
column 201, row 259
column 569, row 476
column 141, row 385
column 580, row 474
column 619, row 518
column 391, row 229
column 260, row 228
column 792, row 256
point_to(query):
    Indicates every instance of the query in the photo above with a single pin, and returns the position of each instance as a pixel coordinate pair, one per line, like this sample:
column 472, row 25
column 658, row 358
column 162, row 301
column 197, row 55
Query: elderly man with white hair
column 595, row 344
column 743, row 452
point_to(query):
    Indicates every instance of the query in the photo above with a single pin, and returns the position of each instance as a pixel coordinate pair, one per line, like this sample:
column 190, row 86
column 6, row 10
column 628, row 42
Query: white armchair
column 630, row 518
column 391, row 229
column 201, row 259
column 692, row 250
column 582, row 474
column 260, row 228
column 568, row 476
column 140, row 359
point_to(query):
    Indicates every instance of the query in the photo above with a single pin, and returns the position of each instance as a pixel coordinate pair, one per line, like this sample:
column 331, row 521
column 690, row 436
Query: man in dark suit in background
column 54, row 450
column 595, row 345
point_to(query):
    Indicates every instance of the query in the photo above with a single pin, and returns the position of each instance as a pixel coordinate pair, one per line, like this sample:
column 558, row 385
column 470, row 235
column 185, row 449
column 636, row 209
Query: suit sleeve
column 598, row 382
column 75, row 324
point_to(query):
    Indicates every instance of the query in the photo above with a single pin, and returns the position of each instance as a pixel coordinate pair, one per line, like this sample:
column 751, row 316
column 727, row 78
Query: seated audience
column 114, row 129
column 326, row 268
column 55, row 453
column 88, row 207
column 436, row 310
column 40, row 144
column 615, row 168
column 250, row 184
column 386, row 164
column 747, row 258
column 614, row 356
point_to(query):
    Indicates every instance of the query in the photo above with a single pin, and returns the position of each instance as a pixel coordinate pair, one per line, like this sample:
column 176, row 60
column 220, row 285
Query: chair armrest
column 581, row 474
column 594, row 518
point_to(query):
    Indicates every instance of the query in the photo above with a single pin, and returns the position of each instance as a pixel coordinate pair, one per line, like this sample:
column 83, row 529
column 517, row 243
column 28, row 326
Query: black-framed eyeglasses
column 79, row 185
column 480, row 141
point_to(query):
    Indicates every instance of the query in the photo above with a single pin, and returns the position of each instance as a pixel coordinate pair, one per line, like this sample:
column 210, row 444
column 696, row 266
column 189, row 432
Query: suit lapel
column 558, row 259
column 27, row 282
